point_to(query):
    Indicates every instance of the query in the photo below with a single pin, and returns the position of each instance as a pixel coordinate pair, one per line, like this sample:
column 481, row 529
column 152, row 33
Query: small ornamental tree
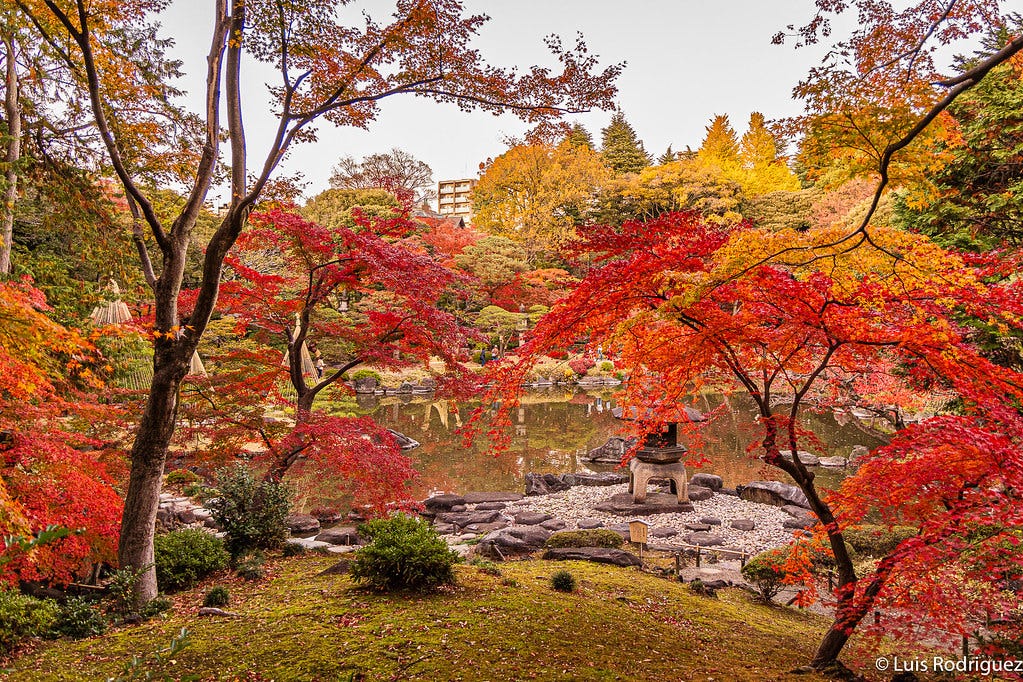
column 688, row 306
column 367, row 292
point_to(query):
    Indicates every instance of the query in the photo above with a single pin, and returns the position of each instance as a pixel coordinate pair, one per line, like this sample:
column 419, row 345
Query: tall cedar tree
column 579, row 136
column 327, row 69
column 689, row 306
column 620, row 148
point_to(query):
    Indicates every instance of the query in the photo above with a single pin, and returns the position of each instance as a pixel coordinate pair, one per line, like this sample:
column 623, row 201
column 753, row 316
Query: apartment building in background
column 454, row 198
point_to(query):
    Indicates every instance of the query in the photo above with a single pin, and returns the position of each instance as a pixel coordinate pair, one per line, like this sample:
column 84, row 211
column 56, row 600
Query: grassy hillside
column 298, row 625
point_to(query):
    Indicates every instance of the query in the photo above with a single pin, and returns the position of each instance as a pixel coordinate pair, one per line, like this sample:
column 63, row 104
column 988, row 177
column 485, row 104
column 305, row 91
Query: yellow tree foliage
column 763, row 169
column 536, row 194
column 720, row 147
column 684, row 185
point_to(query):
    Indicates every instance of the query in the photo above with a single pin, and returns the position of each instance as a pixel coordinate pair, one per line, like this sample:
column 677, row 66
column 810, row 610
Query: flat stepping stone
column 442, row 503
column 302, row 523
column 342, row 549
column 711, row 521
column 698, row 527
column 477, row 497
column 554, row 524
column 491, row 506
column 743, row 524
column 602, row 479
column 309, row 543
column 807, row 458
column 340, row 535
column 704, row 539
column 486, row 527
column 531, row 518
column 795, row 511
column 465, row 518
column 833, row 462
column 775, row 493
column 663, row 532
column 805, row 522
column 588, row 524
column 623, row 504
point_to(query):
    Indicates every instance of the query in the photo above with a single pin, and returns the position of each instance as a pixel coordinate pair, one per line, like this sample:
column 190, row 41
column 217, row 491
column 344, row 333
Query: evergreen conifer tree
column 667, row 157
column 578, row 136
column 623, row 152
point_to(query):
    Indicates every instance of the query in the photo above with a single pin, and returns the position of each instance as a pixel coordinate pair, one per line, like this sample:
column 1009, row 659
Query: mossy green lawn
column 620, row 624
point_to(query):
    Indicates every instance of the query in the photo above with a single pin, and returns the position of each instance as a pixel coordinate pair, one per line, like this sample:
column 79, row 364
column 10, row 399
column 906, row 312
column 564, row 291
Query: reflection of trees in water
column 551, row 428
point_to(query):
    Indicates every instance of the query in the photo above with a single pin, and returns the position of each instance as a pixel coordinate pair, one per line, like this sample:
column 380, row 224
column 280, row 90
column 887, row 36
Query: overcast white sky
column 687, row 60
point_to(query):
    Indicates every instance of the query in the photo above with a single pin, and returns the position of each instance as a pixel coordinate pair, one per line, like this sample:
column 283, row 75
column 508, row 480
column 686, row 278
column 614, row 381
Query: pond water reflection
column 553, row 427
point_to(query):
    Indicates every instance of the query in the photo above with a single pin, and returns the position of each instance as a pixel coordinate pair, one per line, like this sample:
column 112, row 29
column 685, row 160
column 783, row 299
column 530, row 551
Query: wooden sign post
column 638, row 534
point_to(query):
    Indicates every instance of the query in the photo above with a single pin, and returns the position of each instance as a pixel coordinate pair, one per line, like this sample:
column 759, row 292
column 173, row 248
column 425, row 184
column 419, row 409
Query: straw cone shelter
column 114, row 311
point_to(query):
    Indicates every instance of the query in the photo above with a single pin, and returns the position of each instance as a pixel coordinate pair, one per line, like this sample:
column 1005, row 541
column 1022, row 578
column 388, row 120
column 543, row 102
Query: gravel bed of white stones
column 577, row 503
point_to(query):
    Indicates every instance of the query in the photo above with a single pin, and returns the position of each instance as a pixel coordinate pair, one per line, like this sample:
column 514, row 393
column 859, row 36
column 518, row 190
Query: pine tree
column 623, row 152
column 667, row 157
column 578, row 136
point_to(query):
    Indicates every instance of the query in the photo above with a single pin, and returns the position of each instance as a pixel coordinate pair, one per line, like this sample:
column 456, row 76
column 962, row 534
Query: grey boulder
column 514, row 540
column 601, row 555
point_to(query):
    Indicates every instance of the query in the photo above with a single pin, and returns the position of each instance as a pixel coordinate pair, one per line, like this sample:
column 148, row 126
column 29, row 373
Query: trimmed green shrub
column 182, row 476
column 250, row 565
column 79, row 618
column 155, row 606
column 594, row 537
column 253, row 514
column 764, row 572
column 877, row 541
column 403, row 553
column 184, row 557
column 563, row 581
column 607, row 366
column 365, row 373
column 217, row 596
column 199, row 490
column 120, row 591
column 22, row 617
column 293, row 549
column 698, row 587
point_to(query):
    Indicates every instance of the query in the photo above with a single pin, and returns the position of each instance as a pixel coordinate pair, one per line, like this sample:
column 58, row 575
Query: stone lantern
column 660, row 457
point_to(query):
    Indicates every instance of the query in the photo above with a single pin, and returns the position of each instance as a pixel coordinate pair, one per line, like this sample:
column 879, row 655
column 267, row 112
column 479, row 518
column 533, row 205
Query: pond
column 553, row 427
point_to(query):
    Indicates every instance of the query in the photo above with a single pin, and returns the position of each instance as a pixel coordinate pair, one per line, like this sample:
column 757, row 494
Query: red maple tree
column 689, row 306
column 365, row 295
column 57, row 464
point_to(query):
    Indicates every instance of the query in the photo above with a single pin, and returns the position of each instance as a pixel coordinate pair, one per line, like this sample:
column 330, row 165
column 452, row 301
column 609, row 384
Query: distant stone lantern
column 660, row 457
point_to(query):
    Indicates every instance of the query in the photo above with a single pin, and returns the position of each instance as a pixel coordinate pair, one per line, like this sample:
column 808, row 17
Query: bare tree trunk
column 148, row 454
column 848, row 614
column 12, row 112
